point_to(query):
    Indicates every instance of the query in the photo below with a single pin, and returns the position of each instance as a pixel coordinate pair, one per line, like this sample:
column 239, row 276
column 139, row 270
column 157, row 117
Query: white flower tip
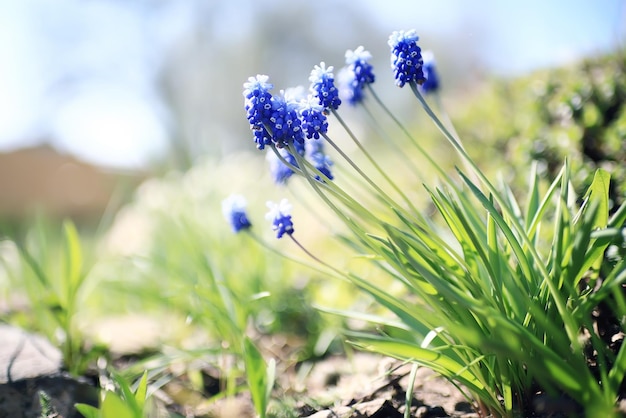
column 359, row 54
column 294, row 94
column 232, row 203
column 261, row 80
column 402, row 36
column 285, row 206
column 320, row 72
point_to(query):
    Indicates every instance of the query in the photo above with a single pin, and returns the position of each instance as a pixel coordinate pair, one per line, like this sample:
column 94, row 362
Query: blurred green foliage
column 576, row 112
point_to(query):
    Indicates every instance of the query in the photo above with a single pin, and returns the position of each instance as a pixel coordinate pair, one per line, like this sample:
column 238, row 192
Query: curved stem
column 456, row 143
column 445, row 116
column 310, row 254
column 275, row 251
column 371, row 160
column 355, row 207
column 358, row 169
column 406, row 132
column 397, row 149
column 293, row 168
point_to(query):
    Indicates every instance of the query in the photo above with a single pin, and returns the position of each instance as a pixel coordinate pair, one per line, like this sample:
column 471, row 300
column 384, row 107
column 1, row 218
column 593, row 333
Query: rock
column 24, row 355
column 21, row 398
column 30, row 364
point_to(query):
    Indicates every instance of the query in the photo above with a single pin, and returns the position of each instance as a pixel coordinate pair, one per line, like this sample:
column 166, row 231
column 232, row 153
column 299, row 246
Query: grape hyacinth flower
column 314, row 121
column 323, row 86
column 294, row 94
column 406, row 57
column 280, row 216
column 359, row 73
column 346, row 82
column 258, row 106
column 315, row 154
column 431, row 85
column 234, row 210
column 285, row 123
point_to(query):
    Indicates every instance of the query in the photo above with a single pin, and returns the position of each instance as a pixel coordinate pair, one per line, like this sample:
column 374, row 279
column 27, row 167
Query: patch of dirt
column 368, row 385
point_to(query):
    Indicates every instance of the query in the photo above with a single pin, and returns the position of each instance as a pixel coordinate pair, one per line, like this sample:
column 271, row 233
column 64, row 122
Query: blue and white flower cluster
column 406, row 57
column 357, row 74
column 234, row 210
column 286, row 121
column 294, row 124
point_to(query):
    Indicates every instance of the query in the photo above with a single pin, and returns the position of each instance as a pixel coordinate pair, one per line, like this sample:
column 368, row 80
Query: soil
column 361, row 385
column 357, row 385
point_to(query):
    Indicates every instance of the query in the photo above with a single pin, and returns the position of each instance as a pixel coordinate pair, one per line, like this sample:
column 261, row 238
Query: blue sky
column 117, row 120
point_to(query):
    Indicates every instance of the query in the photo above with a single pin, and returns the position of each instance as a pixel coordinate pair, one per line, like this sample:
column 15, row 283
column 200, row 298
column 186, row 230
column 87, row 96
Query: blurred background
column 97, row 95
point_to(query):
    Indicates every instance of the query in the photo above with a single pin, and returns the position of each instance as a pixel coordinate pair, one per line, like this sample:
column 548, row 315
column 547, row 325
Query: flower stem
column 357, row 168
column 406, row 132
column 310, row 254
column 372, row 161
column 275, row 251
column 456, row 143
column 293, row 168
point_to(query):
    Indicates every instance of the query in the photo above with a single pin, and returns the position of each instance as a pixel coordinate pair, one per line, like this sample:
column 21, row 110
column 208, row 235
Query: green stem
column 310, row 254
column 406, row 132
column 358, row 170
column 372, row 161
column 275, row 251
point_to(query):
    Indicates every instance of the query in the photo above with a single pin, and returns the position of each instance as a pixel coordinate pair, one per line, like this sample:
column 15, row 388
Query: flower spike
column 314, row 121
column 258, row 106
column 234, row 210
column 358, row 73
column 279, row 214
column 323, row 86
column 431, row 85
column 406, row 57
column 285, row 123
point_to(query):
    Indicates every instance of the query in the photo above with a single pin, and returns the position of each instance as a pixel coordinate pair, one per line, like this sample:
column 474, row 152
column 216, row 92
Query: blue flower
column 258, row 106
column 234, row 210
column 314, row 121
column 358, row 60
column 279, row 171
column 279, row 215
column 406, row 57
column 285, row 123
column 323, row 86
column 348, row 86
column 315, row 154
column 431, row 84
column 362, row 73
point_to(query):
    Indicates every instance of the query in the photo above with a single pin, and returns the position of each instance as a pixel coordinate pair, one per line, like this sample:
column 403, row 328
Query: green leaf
column 73, row 257
column 271, row 378
column 586, row 253
column 87, row 411
column 127, row 393
column 434, row 359
column 619, row 217
column 114, row 407
column 141, row 393
column 532, row 207
column 256, row 372
column 598, row 194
